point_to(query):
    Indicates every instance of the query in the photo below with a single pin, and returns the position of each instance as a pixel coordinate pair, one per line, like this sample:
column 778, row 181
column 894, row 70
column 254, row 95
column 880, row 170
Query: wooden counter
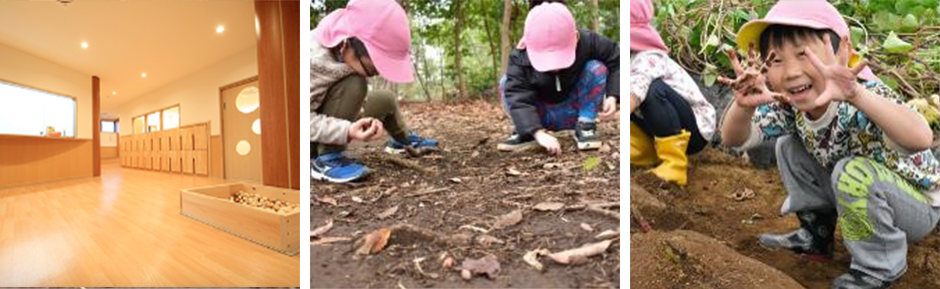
column 34, row 159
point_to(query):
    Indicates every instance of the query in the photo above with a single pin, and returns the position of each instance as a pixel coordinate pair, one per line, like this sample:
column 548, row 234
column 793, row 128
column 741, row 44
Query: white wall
column 108, row 139
column 197, row 94
column 29, row 70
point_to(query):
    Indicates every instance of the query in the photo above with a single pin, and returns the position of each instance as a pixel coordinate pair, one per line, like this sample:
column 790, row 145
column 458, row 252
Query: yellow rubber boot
column 642, row 152
column 675, row 166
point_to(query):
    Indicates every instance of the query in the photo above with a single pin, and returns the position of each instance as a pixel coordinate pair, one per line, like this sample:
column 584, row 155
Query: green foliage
column 899, row 38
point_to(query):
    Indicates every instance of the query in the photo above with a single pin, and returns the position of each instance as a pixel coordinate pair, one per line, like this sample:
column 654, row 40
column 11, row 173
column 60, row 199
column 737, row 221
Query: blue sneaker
column 417, row 142
column 337, row 168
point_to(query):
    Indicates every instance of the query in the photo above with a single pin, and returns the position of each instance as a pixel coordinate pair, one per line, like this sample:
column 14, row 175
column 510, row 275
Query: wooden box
column 278, row 231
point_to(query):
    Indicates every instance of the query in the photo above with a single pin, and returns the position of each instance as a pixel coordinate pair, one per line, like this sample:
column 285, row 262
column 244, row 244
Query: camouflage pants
column 879, row 212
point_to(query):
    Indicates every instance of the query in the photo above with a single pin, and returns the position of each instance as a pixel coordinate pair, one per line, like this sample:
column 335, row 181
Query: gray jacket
column 324, row 72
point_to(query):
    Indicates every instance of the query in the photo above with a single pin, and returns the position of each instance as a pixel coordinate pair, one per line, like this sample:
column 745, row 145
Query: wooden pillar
column 96, row 124
column 278, row 85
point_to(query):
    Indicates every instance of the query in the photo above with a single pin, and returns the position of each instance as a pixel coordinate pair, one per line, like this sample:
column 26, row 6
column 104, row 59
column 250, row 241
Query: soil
column 706, row 206
column 446, row 200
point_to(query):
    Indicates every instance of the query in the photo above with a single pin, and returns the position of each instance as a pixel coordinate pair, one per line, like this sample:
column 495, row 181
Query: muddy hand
column 750, row 85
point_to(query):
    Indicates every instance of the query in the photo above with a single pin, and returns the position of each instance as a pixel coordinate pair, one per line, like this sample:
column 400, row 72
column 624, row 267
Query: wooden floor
column 125, row 229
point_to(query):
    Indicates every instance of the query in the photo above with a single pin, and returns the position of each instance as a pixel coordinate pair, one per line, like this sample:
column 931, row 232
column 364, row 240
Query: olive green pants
column 345, row 100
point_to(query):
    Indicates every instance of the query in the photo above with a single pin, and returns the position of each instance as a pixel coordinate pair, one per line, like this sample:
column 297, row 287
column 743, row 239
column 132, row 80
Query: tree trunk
column 422, row 78
column 494, row 53
column 504, row 42
column 458, row 29
column 595, row 14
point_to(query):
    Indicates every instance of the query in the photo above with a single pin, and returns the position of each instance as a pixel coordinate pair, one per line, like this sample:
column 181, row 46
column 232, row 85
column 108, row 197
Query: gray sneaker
column 858, row 280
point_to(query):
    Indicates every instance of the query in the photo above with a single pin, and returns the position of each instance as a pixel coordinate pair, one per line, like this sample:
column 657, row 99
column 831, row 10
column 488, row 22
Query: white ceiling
column 168, row 40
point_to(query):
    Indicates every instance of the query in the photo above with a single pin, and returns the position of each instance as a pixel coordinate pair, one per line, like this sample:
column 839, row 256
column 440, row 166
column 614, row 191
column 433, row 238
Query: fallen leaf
column 417, row 262
column 487, row 240
column 374, row 242
column 532, row 258
column 508, row 220
column 548, row 206
column 357, row 199
column 475, row 228
column 587, row 227
column 327, row 200
column 549, row 166
column 604, row 149
column 580, row 254
column 328, row 240
column 608, row 234
column 488, row 265
column 513, row 172
column 456, row 180
column 475, row 154
column 387, row 213
column 449, row 263
column 590, row 163
column 322, row 229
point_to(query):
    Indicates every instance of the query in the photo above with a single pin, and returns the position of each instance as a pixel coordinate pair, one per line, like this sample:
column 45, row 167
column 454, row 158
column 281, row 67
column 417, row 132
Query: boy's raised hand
column 750, row 86
column 841, row 80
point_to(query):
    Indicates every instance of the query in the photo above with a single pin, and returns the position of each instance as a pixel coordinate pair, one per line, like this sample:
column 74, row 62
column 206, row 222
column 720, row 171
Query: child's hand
column 750, row 86
column 366, row 129
column 548, row 141
column 611, row 109
column 841, row 81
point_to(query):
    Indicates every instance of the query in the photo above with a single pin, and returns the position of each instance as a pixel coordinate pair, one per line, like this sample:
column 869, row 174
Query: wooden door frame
column 222, row 118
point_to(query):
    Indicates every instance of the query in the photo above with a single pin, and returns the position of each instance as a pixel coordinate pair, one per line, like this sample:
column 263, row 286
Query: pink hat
column 382, row 26
column 816, row 14
column 643, row 36
column 550, row 37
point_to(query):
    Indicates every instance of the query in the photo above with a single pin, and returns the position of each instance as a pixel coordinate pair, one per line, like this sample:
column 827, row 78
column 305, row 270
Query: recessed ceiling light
column 143, row 75
column 114, row 92
column 84, row 44
column 220, row 29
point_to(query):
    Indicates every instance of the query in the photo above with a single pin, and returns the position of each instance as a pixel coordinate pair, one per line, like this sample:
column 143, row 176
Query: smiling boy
column 848, row 150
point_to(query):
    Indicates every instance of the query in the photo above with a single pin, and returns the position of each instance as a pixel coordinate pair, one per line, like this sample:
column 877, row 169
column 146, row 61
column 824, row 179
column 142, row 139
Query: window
column 28, row 111
column 109, row 126
column 167, row 118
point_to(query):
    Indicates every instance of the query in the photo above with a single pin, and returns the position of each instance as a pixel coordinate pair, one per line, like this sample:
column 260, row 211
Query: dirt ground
column 459, row 198
column 707, row 207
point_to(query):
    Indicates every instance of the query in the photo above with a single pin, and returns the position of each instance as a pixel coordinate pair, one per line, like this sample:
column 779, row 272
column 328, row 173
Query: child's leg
column 590, row 90
column 666, row 113
column 879, row 213
column 383, row 105
column 343, row 100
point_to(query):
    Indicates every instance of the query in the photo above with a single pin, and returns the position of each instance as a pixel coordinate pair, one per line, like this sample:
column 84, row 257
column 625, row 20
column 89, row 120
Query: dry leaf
column 508, row 220
column 357, row 199
column 513, row 172
column 604, row 148
column 532, row 258
column 549, row 166
column 329, row 240
column 475, row 228
column 449, row 263
column 327, row 200
column 417, row 262
column 487, row 240
column 456, row 180
column 387, row 213
column 322, row 229
column 581, row 254
column 488, row 265
column 608, row 234
column 587, row 227
column 548, row 206
column 374, row 242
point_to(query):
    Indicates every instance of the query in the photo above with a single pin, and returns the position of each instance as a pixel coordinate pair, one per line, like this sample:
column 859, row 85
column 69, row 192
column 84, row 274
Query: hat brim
column 397, row 70
column 544, row 61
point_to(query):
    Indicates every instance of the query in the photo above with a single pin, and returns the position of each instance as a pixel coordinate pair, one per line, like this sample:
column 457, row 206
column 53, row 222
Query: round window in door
column 247, row 100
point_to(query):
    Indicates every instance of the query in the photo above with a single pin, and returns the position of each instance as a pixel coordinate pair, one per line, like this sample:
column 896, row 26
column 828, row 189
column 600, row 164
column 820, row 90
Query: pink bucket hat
column 816, row 14
column 643, row 36
column 550, row 37
column 384, row 29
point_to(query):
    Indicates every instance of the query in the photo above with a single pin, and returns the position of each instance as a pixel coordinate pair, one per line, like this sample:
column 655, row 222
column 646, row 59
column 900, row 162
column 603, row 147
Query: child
column 556, row 80
column 664, row 102
column 849, row 150
column 344, row 51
